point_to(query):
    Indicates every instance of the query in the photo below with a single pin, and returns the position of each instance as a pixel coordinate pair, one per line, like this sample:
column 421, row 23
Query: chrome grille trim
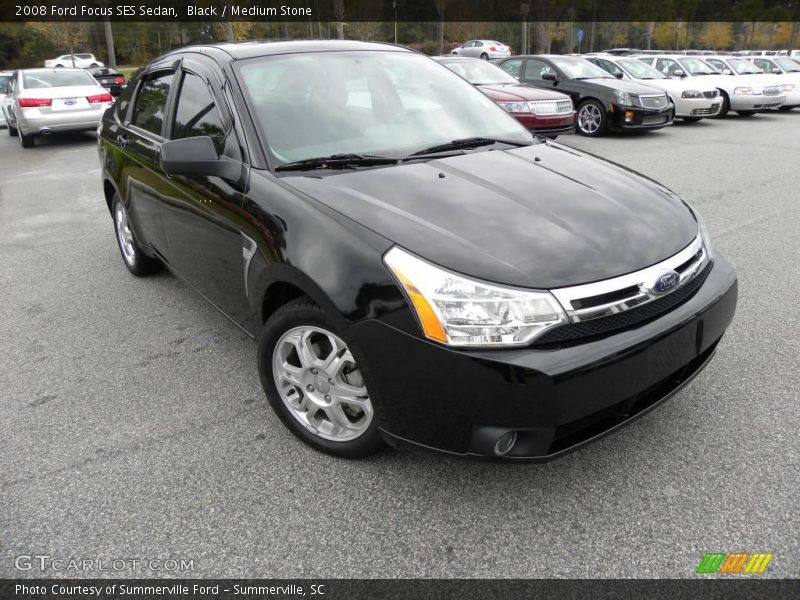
column 550, row 107
column 691, row 260
column 653, row 101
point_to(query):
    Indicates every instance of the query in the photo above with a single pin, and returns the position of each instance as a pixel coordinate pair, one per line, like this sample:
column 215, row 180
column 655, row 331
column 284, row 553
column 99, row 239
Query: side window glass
column 611, row 67
column 512, row 67
column 534, row 69
column 197, row 114
column 151, row 103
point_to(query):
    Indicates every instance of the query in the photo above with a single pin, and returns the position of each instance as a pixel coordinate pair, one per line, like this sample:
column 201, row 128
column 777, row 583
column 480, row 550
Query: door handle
column 122, row 140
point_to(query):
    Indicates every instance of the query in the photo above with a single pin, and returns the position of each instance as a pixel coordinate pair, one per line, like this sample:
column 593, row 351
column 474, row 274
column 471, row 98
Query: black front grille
column 625, row 319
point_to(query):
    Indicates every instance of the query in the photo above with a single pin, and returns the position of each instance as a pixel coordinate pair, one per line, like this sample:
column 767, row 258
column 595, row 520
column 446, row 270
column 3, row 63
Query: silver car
column 5, row 83
column 485, row 49
column 42, row 101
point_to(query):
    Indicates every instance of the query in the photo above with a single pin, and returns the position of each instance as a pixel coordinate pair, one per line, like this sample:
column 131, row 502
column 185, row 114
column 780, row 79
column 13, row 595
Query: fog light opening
column 629, row 115
column 505, row 443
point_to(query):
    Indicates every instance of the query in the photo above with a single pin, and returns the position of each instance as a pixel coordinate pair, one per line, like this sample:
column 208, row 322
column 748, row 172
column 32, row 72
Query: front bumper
column 547, row 125
column 697, row 107
column 556, row 398
column 760, row 102
column 621, row 118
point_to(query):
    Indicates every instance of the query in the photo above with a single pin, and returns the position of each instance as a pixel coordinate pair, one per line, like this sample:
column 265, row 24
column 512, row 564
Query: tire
column 691, row 119
column 59, row 66
column 484, row 56
column 93, row 66
column 786, row 108
column 746, row 113
column 134, row 258
column 726, row 106
column 26, row 140
column 319, row 405
column 12, row 131
column 591, row 120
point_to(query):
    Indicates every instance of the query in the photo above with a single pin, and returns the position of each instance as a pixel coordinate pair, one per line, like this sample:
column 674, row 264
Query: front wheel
column 592, row 119
column 93, row 66
column 785, row 108
column 726, row 106
column 746, row 113
column 12, row 131
column 314, row 384
column 133, row 256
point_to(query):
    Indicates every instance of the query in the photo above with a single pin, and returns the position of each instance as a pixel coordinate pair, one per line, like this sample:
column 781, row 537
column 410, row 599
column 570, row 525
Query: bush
column 431, row 47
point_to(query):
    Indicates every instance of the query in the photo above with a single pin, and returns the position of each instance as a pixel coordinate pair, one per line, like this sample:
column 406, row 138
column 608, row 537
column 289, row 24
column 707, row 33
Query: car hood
column 519, row 93
column 542, row 216
column 679, row 85
column 632, row 87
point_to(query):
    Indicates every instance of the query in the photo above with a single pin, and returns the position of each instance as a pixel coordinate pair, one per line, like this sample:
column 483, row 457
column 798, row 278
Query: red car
column 543, row 112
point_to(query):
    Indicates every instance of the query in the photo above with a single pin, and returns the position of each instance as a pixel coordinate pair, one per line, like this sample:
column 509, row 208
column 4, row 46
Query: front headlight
column 460, row 311
column 692, row 94
column 623, row 98
column 515, row 107
column 748, row 91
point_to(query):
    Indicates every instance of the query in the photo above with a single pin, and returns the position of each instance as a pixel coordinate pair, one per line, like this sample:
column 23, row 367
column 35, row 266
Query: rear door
column 202, row 214
column 140, row 141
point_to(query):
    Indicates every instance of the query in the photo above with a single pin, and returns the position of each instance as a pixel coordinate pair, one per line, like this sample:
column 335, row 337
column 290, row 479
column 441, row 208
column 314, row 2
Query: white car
column 485, row 49
column 77, row 61
column 693, row 99
column 743, row 94
column 787, row 71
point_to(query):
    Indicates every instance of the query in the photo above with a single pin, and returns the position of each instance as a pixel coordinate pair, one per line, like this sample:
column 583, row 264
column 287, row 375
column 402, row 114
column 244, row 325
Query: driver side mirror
column 678, row 73
column 549, row 76
column 197, row 157
column 619, row 75
column 727, row 72
column 776, row 70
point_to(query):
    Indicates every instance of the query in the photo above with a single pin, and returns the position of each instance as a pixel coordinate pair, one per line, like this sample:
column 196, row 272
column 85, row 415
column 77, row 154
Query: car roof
column 256, row 48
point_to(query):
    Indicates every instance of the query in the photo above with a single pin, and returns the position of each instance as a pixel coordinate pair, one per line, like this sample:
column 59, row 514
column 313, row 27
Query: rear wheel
column 134, row 258
column 26, row 140
column 93, row 66
column 746, row 113
column 485, row 56
column 592, row 120
column 314, row 383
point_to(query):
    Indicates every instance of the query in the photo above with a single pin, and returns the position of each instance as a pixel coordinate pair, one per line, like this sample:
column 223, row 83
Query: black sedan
column 111, row 79
column 603, row 102
column 416, row 267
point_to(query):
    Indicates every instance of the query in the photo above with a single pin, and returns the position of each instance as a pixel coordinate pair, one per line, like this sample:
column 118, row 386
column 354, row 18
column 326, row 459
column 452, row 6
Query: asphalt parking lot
column 134, row 426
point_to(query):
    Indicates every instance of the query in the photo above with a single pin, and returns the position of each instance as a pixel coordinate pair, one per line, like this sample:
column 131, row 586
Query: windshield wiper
column 337, row 161
column 465, row 143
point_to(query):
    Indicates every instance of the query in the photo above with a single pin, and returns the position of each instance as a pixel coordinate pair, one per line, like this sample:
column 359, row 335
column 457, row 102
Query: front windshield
column 640, row 70
column 695, row 66
column 743, row 67
column 580, row 68
column 788, row 65
column 480, row 72
column 35, row 80
column 381, row 103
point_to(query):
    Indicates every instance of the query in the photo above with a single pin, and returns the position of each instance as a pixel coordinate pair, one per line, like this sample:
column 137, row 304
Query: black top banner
column 401, row 10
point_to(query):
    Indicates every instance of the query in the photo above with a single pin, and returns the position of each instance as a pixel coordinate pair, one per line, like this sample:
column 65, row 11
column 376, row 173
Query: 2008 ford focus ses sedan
column 416, row 267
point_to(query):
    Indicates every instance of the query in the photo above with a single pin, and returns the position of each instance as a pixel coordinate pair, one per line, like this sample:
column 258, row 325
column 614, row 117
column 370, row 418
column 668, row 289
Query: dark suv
column 416, row 266
column 603, row 102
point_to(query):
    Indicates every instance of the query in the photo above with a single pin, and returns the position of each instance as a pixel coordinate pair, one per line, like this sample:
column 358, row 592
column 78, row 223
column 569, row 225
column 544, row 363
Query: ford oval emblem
column 665, row 282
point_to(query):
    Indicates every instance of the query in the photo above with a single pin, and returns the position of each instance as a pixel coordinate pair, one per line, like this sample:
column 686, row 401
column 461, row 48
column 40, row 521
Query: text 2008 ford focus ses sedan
column 416, row 267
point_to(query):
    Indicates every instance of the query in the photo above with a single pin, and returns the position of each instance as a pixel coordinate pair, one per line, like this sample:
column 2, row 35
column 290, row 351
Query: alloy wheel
column 124, row 234
column 589, row 118
column 320, row 384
